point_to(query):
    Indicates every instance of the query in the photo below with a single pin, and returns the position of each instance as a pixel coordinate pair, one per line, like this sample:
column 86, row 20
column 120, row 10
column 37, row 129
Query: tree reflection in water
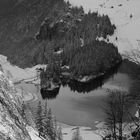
column 80, row 87
column 85, row 87
column 49, row 94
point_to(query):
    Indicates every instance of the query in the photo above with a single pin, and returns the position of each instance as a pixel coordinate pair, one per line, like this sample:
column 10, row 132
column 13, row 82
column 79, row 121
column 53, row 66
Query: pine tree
column 45, row 121
column 50, row 126
column 55, row 128
column 39, row 120
column 116, row 110
column 46, row 125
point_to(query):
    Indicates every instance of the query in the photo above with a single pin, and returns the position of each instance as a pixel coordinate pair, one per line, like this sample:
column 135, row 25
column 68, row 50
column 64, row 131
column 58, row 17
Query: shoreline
column 31, row 74
column 86, row 79
column 67, row 129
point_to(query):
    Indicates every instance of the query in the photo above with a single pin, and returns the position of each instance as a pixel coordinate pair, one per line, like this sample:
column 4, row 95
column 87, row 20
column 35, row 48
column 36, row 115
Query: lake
column 80, row 104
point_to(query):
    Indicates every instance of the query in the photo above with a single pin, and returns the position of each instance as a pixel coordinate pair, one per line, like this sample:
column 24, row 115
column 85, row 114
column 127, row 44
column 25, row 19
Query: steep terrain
column 67, row 26
column 12, row 125
column 18, row 29
column 125, row 14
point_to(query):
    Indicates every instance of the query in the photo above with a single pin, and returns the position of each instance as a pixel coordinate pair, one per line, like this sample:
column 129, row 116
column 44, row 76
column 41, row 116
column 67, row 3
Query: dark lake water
column 82, row 104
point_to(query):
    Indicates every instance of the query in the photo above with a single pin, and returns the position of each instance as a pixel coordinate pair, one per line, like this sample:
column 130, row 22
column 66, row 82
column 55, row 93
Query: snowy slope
column 127, row 31
column 119, row 11
column 16, row 73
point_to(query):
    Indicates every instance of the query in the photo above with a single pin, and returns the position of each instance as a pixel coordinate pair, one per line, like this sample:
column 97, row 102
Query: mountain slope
column 12, row 125
column 125, row 14
column 68, row 25
column 18, row 30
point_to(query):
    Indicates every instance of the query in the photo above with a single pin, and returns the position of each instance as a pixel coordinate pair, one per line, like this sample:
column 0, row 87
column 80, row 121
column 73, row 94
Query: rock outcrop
column 12, row 124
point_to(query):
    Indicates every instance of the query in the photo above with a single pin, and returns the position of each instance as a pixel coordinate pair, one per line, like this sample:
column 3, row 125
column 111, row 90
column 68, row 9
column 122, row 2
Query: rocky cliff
column 12, row 125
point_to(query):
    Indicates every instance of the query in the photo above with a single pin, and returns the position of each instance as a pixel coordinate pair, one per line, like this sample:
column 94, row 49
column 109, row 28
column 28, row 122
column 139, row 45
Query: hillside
column 12, row 124
column 125, row 14
column 20, row 28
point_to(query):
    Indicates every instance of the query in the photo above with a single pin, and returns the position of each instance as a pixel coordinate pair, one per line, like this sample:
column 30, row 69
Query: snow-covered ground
column 126, row 16
column 67, row 133
column 85, row 132
column 16, row 73
column 120, row 12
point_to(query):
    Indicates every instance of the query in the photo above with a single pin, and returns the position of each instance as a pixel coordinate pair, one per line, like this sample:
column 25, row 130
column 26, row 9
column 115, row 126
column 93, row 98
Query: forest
column 35, row 31
column 72, row 41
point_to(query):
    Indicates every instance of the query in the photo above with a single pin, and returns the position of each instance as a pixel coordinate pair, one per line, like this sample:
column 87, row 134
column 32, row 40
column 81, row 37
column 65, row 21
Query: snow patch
column 16, row 73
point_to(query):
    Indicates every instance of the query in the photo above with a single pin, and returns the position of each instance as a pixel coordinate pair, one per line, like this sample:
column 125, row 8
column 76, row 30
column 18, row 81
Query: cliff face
column 12, row 125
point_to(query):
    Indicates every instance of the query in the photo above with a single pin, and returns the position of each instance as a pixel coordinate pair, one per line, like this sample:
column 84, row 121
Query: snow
column 16, row 73
column 85, row 79
column 1, row 73
column 87, row 4
column 33, row 133
column 65, row 67
column 127, row 28
column 85, row 132
column 59, row 52
column 67, row 132
column 127, row 31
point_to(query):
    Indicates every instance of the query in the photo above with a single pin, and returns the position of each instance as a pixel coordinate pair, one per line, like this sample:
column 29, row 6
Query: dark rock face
column 12, row 125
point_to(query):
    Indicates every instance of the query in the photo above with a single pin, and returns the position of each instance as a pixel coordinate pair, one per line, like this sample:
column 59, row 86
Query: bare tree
column 115, row 112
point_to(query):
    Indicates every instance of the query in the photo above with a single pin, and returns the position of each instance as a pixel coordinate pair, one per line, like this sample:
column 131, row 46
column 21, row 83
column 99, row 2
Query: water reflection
column 49, row 94
column 81, row 87
column 68, row 106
